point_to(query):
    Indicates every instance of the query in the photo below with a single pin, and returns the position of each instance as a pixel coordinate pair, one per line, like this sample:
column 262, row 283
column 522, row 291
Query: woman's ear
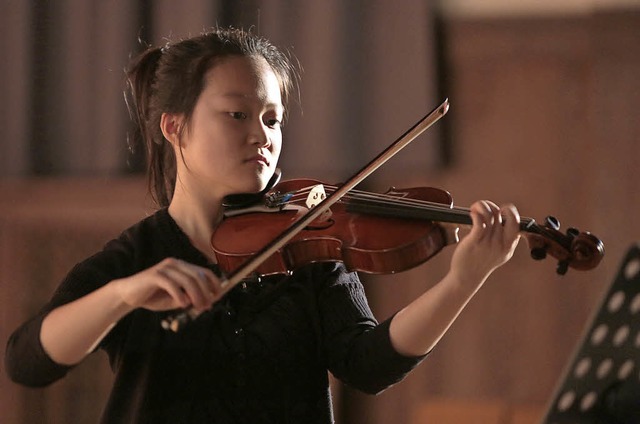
column 171, row 125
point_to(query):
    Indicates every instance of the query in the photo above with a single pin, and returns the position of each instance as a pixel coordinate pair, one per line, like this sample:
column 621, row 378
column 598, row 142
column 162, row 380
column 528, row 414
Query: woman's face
column 233, row 142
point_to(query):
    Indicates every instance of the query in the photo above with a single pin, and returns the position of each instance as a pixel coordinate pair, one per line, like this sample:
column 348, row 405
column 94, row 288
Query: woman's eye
column 238, row 115
column 273, row 122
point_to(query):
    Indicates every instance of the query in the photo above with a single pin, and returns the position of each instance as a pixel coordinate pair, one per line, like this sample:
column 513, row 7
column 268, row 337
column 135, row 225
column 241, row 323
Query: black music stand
column 602, row 383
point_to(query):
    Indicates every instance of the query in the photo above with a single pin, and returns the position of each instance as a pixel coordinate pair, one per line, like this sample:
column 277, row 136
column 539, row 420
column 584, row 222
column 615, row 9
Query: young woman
column 210, row 110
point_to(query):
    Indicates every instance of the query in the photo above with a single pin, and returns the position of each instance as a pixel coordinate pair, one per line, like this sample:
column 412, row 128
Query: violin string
column 407, row 207
column 301, row 194
column 380, row 198
column 386, row 203
column 402, row 203
column 389, row 200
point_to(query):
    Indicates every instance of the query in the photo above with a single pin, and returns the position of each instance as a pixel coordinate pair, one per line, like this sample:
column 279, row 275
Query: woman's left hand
column 490, row 243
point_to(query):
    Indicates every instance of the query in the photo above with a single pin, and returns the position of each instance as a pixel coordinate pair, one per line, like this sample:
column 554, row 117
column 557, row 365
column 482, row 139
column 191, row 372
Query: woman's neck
column 197, row 218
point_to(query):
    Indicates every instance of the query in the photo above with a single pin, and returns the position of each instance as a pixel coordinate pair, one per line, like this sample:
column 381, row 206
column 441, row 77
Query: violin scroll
column 574, row 249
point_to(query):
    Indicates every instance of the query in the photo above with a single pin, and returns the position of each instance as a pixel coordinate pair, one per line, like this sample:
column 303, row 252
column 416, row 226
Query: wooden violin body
column 374, row 233
column 365, row 242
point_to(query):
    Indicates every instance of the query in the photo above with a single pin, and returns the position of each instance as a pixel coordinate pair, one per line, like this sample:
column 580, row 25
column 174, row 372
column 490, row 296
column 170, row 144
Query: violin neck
column 435, row 213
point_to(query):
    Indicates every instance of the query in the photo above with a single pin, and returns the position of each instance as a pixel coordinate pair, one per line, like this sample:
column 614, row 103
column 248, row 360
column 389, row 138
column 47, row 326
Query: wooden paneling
column 448, row 410
column 46, row 226
column 544, row 114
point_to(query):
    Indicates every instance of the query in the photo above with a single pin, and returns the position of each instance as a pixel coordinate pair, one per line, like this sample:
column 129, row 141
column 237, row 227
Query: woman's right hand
column 170, row 284
column 71, row 331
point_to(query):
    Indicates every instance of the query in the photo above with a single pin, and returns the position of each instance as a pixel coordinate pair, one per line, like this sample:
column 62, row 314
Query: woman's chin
column 255, row 186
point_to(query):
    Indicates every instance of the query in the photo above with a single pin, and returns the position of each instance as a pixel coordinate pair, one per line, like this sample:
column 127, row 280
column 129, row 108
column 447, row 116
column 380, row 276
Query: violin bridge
column 316, row 195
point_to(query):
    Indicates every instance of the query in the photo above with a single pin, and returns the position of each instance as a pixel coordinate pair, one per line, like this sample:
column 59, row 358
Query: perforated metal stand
column 602, row 383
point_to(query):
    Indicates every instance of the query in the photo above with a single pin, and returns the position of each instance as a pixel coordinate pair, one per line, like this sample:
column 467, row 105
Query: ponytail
column 160, row 157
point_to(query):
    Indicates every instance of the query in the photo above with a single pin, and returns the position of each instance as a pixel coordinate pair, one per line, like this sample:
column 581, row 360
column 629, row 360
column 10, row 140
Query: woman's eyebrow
column 245, row 96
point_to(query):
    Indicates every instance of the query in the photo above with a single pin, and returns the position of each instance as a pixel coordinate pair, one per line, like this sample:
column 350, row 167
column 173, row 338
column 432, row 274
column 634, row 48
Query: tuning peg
column 563, row 267
column 552, row 222
column 538, row 253
column 573, row 232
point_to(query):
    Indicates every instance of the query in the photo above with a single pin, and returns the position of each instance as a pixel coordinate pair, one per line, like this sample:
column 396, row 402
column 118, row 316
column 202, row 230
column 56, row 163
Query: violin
column 297, row 222
column 374, row 233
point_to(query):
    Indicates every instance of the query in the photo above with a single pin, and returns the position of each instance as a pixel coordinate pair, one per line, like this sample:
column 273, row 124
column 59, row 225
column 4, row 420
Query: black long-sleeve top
column 261, row 355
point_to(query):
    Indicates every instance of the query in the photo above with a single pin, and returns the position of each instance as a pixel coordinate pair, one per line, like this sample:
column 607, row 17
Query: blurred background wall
column 544, row 98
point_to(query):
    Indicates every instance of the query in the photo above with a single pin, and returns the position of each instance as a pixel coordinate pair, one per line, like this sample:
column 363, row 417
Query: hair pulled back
column 171, row 78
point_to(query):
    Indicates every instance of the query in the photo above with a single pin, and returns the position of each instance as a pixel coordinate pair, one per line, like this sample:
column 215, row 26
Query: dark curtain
column 369, row 71
column 368, row 74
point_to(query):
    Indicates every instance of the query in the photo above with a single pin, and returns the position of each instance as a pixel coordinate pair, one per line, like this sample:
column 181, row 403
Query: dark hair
column 170, row 79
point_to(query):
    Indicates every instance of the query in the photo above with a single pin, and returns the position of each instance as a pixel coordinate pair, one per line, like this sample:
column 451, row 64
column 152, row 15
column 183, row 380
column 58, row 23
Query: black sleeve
column 357, row 348
column 26, row 361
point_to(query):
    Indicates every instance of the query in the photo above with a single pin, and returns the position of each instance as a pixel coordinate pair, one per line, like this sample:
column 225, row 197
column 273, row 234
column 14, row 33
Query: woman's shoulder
column 130, row 248
column 151, row 226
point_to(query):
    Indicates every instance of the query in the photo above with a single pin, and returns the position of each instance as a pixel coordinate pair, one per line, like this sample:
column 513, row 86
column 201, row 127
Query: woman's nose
column 259, row 135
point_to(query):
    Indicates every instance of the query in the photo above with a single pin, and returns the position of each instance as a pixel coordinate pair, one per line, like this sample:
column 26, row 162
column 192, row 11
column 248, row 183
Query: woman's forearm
column 71, row 332
column 417, row 328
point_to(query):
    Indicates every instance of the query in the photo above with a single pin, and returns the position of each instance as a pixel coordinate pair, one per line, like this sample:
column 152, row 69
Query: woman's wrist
column 114, row 301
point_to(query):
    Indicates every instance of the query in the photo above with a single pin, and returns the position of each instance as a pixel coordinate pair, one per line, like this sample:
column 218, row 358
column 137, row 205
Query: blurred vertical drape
column 544, row 115
column 368, row 74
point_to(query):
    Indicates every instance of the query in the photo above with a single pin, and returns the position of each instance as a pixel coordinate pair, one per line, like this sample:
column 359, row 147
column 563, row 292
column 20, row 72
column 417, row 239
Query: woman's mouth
column 259, row 159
